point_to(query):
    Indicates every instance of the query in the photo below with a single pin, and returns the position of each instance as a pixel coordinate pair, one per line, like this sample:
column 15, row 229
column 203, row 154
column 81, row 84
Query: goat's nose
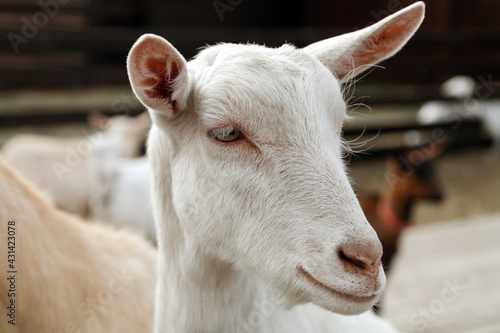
column 437, row 197
column 363, row 259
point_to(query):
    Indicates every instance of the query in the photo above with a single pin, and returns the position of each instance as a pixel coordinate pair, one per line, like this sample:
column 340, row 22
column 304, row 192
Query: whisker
column 354, row 147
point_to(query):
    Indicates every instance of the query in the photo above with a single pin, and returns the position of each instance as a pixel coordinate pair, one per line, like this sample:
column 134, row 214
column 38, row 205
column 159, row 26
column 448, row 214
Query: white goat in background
column 72, row 276
column 466, row 107
column 122, row 194
column 60, row 165
column 258, row 227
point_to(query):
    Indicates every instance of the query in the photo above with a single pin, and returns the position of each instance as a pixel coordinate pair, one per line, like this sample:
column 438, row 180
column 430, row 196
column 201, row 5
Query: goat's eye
column 227, row 134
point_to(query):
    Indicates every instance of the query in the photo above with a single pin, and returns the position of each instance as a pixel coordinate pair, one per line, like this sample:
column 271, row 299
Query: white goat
column 123, row 195
column 71, row 276
column 60, row 165
column 255, row 215
column 487, row 111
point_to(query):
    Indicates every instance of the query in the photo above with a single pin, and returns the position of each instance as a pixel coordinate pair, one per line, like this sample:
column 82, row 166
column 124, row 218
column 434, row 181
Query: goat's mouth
column 337, row 293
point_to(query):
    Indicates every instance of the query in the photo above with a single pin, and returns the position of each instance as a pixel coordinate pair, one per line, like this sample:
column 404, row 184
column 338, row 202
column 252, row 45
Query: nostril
column 360, row 257
column 437, row 197
column 356, row 262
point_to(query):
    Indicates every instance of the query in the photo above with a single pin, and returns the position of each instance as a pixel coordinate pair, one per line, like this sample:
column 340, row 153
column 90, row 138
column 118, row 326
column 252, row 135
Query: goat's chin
column 337, row 300
column 330, row 303
column 345, row 307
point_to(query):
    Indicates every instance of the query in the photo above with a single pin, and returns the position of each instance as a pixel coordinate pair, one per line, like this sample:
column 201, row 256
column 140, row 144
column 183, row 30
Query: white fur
column 459, row 86
column 123, row 195
column 72, row 276
column 466, row 108
column 238, row 221
column 61, row 165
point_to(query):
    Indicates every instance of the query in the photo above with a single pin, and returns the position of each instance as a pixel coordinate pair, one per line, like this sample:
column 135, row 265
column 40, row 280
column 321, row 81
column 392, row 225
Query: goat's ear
column 348, row 55
column 158, row 75
column 98, row 120
column 433, row 150
column 417, row 155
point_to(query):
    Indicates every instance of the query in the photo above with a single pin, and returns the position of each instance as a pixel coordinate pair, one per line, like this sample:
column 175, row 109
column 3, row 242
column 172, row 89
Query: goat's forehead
column 260, row 79
column 226, row 52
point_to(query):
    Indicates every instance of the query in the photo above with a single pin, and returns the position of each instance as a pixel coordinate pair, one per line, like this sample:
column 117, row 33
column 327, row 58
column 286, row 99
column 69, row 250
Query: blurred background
column 61, row 60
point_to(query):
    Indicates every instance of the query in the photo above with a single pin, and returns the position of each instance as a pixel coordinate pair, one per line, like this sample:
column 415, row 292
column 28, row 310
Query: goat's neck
column 198, row 293
column 201, row 294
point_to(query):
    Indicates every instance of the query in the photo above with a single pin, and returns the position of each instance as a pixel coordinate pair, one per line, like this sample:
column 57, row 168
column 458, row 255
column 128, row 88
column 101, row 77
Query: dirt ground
column 470, row 181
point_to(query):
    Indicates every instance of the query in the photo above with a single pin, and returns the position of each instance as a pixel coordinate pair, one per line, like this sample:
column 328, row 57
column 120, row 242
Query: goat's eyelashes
column 227, row 134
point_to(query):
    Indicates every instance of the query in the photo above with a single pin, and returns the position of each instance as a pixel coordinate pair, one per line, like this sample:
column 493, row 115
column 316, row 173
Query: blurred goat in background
column 409, row 177
column 74, row 274
column 62, row 167
column 469, row 103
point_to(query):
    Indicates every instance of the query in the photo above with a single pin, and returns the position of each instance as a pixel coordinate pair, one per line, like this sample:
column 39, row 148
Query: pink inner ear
column 385, row 41
column 378, row 46
column 161, row 81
